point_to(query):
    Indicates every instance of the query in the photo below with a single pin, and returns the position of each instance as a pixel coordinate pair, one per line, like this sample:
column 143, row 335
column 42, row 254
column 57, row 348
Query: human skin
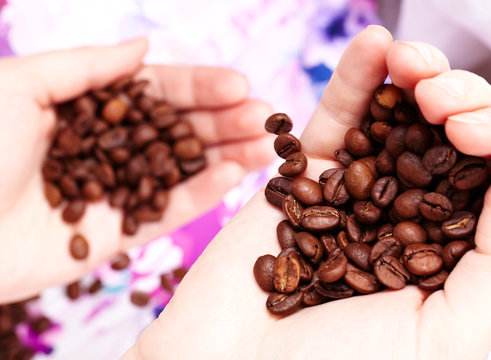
column 34, row 240
column 218, row 311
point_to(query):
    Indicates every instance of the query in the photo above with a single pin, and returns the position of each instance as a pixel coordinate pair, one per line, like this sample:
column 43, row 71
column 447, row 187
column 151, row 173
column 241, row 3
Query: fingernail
column 471, row 118
column 452, row 86
column 373, row 26
column 421, row 48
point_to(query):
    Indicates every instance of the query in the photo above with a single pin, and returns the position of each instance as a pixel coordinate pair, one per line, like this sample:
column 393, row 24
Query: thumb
column 62, row 75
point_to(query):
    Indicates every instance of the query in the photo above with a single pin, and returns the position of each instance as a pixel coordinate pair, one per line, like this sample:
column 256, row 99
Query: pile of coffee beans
column 122, row 143
column 401, row 210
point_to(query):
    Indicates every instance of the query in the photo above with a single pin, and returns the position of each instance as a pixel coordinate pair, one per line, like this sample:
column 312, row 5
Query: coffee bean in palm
column 434, row 231
column 439, row 159
column 114, row 110
column 336, row 290
column 329, row 243
column 74, row 210
column 283, row 304
column 285, row 234
column 319, row 218
column 294, row 165
column 53, row 194
column 384, row 191
column 385, row 164
column 379, row 130
column 358, row 232
column 333, row 268
column 69, row 142
column 264, row 272
column 386, row 98
column 344, row 157
column 468, row 173
column 188, row 148
column 144, row 134
column 79, row 247
column 310, row 296
column 342, row 240
column 93, row 190
column 286, row 274
column 286, row 144
column 395, row 143
column 422, row 259
column 310, row 246
column 453, row 251
column 359, row 180
column 460, row 225
column 278, row 123
column 359, row 254
column 360, row 281
column 459, row 198
column 418, row 138
column 408, row 232
column 73, row 290
column 139, row 298
column 407, row 204
column 277, row 189
column 121, row 262
column 384, row 231
column 334, row 192
column 293, row 210
column 357, row 143
column 433, row 282
column 390, row 272
column 411, row 171
column 366, row 212
column 130, row 224
column 307, row 191
column 388, row 246
column 435, row 207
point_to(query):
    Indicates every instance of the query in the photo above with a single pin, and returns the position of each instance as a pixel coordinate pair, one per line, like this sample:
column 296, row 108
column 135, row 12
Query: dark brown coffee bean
column 307, row 191
column 130, row 224
column 359, row 180
column 136, row 167
column 395, row 143
column 357, row 143
column 85, row 105
column 406, row 204
column 459, row 198
column 388, row 246
column 114, row 110
column 163, row 116
column 79, row 247
column 68, row 142
column 136, row 88
column 439, row 159
column 286, row 274
column 337, row 290
column 286, row 144
column 145, row 213
column 264, row 272
column 119, row 196
column 311, row 297
column 190, row 167
column 283, row 304
column 277, row 189
column 366, row 212
column 358, row 232
column 88, row 144
column 159, row 157
column 160, row 200
column 405, row 113
column 179, row 273
column 145, row 188
column 310, row 246
column 69, row 186
column 409, row 167
column 342, row 240
column 385, row 164
column 52, row 170
column 384, row 191
column 306, row 270
column 386, row 98
column 144, row 134
column 328, row 243
column 319, row 218
column 384, row 231
column 105, row 174
column 53, row 194
column 434, row 231
column 453, row 252
column 293, row 210
column 121, row 262
column 74, row 211
column 294, row 165
column 334, row 192
column 181, row 129
column 460, row 225
column 113, row 138
column 99, row 127
column 173, row 176
column 333, row 268
column 360, row 281
column 370, row 162
column 435, row 207
column 93, row 190
column 119, row 155
column 188, row 148
column 95, row 286
column 358, row 254
column 278, row 123
column 422, row 259
column 468, row 173
column 285, row 234
column 379, row 130
column 83, row 125
column 418, row 138
column 344, row 157
column 390, row 272
column 408, row 232
column 73, row 290
column 139, row 298
column 434, row 282
column 166, row 283
column 135, row 116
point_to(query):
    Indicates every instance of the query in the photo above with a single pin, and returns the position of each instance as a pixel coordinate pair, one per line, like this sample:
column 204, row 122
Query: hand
column 34, row 242
column 218, row 311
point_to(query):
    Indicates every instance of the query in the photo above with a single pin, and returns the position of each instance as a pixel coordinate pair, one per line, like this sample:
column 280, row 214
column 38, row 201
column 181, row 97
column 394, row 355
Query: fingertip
column 234, row 86
column 469, row 132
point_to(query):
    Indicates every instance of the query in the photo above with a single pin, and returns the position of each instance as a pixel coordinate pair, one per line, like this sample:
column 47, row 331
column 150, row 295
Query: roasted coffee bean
column 69, row 186
column 460, row 225
column 410, row 169
column 93, row 190
column 190, row 167
column 163, row 116
column 386, row 98
column 311, row 297
column 95, row 286
column 439, row 159
column 119, row 155
column 105, row 174
column 113, row 138
column 74, row 211
column 358, row 232
column 366, row 212
column 114, row 110
column 73, row 290
column 121, row 262
column 160, row 199
column 144, row 134
column 360, row 281
column 145, row 188
column 130, row 224
column 395, row 143
column 180, row 130
column 119, row 196
column 390, row 272
column 294, row 165
column 188, row 148
column 79, row 247
column 422, row 259
column 379, row 130
column 433, row 282
column 333, row 268
column 408, row 232
column 406, row 204
column 384, row 231
column 293, row 210
column 453, row 251
column 337, row 290
column 388, row 246
column 264, row 272
column 278, row 123
column 404, row 113
column 385, row 164
column 85, row 105
column 53, row 194
column 52, row 170
column 285, row 234
column 319, row 218
column 306, row 270
column 459, row 198
column 435, row 207
column 344, row 157
column 179, row 273
column 357, row 143
column 69, row 142
column 139, row 298
column 342, row 240
column 359, row 180
column 418, row 138
column 434, row 231
column 358, row 254
column 136, row 167
column 87, row 144
column 328, row 243
column 277, row 189
column 136, row 88
column 343, row 219
column 310, row 246
column 145, row 213
column 307, row 191
column 370, row 162
column 283, row 304
column 335, row 192
column 82, row 125
column 286, row 144
column 468, row 173
column 286, row 274
column 384, row 191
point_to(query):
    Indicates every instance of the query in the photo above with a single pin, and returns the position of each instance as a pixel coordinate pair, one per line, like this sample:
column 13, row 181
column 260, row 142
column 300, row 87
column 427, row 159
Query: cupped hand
column 34, row 239
column 218, row 311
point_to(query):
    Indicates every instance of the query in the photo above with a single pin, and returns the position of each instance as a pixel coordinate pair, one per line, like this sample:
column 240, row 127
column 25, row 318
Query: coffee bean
column 139, row 298
column 433, row 282
column 160, row 199
column 277, row 189
column 121, row 262
column 408, row 232
column 69, row 142
column 435, row 207
column 285, row 234
column 439, row 159
column 409, row 167
column 286, row 274
column 114, row 110
column 459, row 198
column 434, row 231
column 136, row 89
column 390, row 272
column 379, row 130
column 283, row 304
column 307, row 191
column 105, row 174
column 404, row 113
column 335, row 192
column 286, row 144
column 422, row 259
column 386, row 98
column 53, row 194
column 468, row 173
column 85, row 105
column 182, row 129
column 119, row 197
column 144, row 134
column 336, row 290
column 145, row 213
column 145, row 188
column 357, row 143
column 113, row 138
column 93, row 190
column 179, row 273
column 344, row 157
column 366, row 212
column 406, row 204
column 453, row 251
column 360, row 281
column 293, row 210
column 385, row 164
column 311, row 297
column 395, row 143
column 74, row 211
column 95, row 286
column 385, row 231
column 52, row 170
column 130, row 224
column 388, row 246
column 319, row 218
column 460, row 225
column 294, row 165
column 358, row 232
column 73, row 290
column 278, row 123
column 333, row 268
column 418, row 138
column 306, row 270
column 188, row 148
column 358, row 254
column 328, row 243
column 79, row 247
column 264, row 272
column 359, row 180
column 342, row 240
column 310, row 246
column 69, row 186
column 384, row 191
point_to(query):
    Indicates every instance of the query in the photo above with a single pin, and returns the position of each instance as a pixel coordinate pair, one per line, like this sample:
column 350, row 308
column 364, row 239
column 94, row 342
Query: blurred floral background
column 288, row 50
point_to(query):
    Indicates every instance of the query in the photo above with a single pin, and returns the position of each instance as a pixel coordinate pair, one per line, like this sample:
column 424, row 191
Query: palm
column 219, row 311
column 35, row 236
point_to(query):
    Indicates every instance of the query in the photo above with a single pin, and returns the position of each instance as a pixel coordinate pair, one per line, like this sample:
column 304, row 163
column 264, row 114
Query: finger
column 470, row 132
column 451, row 93
column 345, row 101
column 62, row 75
column 196, row 86
column 411, row 61
column 242, row 121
